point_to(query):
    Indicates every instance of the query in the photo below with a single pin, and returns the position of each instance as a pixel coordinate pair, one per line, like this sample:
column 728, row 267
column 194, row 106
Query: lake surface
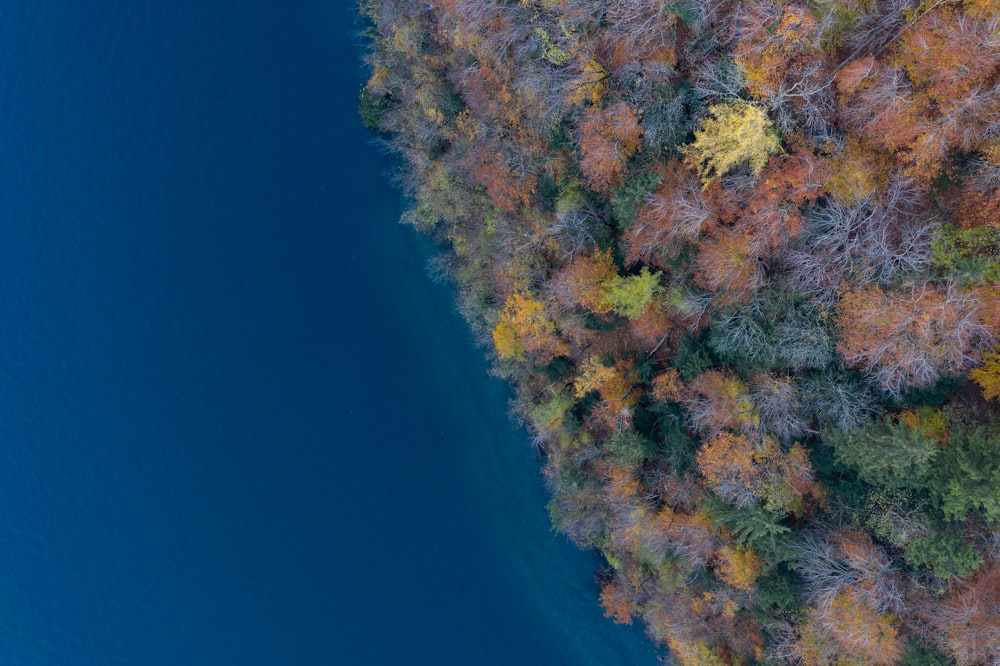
column 237, row 423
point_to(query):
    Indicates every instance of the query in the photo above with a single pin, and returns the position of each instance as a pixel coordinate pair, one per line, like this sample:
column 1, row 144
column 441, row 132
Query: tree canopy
column 740, row 262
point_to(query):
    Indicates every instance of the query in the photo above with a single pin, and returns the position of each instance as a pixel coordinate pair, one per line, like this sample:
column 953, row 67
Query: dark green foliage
column 893, row 515
column 778, row 596
column 644, row 420
column 886, row 452
column 450, row 103
column 923, row 657
column 932, row 395
column 824, row 464
column 625, row 204
column 896, row 517
column 967, row 474
column 675, row 443
column 370, row 108
column 630, row 448
column 586, row 404
column 645, row 369
column 961, row 477
column 692, row 358
column 596, row 322
column 944, row 553
column 484, row 298
column 753, row 526
column 557, row 135
column 557, row 368
column 742, row 337
column 852, row 495
column 548, row 193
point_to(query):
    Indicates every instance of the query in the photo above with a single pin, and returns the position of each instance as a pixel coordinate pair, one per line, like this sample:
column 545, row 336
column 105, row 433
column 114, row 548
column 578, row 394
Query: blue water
column 237, row 424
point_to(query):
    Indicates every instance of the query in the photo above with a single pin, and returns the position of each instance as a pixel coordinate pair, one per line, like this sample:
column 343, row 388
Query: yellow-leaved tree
column 631, row 295
column 736, row 132
column 988, row 376
column 526, row 328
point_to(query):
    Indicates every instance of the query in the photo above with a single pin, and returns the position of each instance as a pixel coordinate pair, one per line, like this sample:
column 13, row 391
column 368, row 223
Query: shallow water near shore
column 239, row 425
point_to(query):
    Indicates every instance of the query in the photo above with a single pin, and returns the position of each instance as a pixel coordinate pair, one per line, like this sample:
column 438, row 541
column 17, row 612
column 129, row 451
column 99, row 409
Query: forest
column 739, row 260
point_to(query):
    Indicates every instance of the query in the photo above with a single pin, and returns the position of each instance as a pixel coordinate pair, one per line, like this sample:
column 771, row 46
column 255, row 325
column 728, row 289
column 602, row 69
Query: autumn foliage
column 910, row 339
column 741, row 263
column 525, row 328
column 969, row 620
column 988, row 377
column 610, row 137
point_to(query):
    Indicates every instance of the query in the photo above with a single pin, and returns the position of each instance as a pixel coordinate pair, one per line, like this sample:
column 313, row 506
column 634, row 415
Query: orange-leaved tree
column 847, row 631
column 969, row 622
column 526, row 329
column 674, row 214
column 610, row 137
column 715, row 400
column 911, row 338
column 617, row 602
column 582, row 281
column 617, row 385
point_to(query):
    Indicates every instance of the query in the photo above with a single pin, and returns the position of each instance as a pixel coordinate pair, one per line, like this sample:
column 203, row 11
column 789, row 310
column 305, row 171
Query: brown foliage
column 854, row 629
column 655, row 326
column 581, row 283
column 616, row 602
column 639, row 35
column 977, row 204
column 772, row 47
column 617, row 385
column 674, row 214
column 748, row 469
column 878, row 103
column 717, row 400
column 857, row 173
column 969, row 621
column 853, row 589
column 853, row 75
column 692, row 539
column 610, row 137
column 774, row 213
column 910, row 339
column 946, row 54
column 738, row 567
column 937, row 92
column 508, row 185
column 729, row 462
column 667, row 386
column 728, row 266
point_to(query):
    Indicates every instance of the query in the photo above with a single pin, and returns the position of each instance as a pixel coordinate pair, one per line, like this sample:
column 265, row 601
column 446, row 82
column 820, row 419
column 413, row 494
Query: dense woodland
column 740, row 260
